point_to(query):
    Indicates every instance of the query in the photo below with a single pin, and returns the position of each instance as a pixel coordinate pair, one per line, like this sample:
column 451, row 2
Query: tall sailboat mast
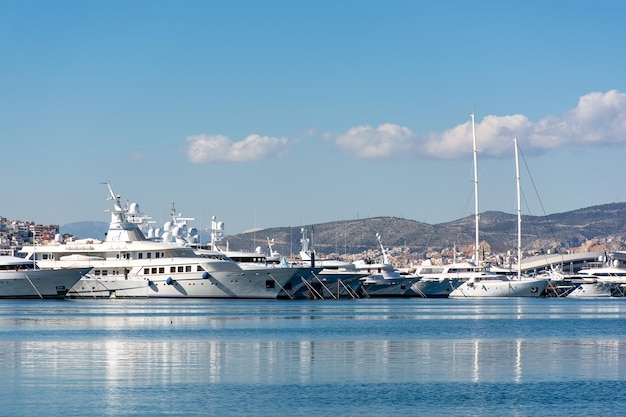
column 519, row 212
column 476, row 212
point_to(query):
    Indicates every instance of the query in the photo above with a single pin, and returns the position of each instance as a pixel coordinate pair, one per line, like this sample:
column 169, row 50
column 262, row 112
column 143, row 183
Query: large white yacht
column 127, row 264
column 20, row 278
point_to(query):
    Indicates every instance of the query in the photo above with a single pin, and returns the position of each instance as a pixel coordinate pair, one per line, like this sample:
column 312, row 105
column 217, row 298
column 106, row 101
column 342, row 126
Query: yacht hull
column 328, row 286
column 386, row 287
column 39, row 283
column 501, row 288
column 217, row 284
column 434, row 288
column 593, row 289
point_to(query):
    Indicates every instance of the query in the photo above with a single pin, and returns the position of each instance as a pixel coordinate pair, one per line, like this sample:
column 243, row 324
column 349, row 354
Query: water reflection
column 123, row 363
column 259, row 342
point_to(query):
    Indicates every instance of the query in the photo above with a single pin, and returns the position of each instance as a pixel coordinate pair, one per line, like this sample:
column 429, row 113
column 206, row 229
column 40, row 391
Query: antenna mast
column 519, row 212
column 476, row 212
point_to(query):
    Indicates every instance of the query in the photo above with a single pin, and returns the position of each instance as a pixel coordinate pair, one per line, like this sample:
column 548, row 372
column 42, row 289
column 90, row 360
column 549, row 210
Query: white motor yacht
column 605, row 278
column 127, row 264
column 20, row 278
column 438, row 281
column 382, row 279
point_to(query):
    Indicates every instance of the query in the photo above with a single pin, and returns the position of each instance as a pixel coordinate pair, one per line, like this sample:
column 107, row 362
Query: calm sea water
column 374, row 357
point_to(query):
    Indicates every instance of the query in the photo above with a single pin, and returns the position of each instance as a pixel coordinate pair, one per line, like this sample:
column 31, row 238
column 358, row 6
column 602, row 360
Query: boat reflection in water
column 246, row 357
column 145, row 363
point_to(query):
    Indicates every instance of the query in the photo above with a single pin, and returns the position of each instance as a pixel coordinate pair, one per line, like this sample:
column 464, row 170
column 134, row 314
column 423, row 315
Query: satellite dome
column 134, row 208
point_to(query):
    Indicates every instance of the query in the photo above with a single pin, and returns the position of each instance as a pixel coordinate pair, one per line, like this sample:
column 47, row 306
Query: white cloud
column 385, row 141
column 599, row 118
column 493, row 135
column 213, row 148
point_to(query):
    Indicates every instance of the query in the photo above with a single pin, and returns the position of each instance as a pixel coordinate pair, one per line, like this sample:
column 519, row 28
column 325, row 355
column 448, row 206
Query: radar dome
column 134, row 208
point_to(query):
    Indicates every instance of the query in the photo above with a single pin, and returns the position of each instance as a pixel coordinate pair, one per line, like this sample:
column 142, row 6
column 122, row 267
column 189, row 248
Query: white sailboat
column 491, row 284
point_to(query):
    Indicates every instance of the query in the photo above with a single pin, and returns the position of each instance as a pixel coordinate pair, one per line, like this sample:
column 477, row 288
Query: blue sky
column 283, row 113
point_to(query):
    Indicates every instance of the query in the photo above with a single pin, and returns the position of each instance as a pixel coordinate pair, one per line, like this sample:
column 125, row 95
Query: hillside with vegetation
column 603, row 225
column 600, row 227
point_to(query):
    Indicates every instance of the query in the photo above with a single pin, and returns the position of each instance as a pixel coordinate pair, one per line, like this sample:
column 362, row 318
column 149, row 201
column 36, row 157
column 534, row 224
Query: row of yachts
column 129, row 263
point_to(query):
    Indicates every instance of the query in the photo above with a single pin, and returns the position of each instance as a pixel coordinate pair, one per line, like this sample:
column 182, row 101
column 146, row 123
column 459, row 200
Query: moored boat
column 605, row 278
column 20, row 278
column 382, row 279
column 335, row 278
column 438, row 281
column 491, row 284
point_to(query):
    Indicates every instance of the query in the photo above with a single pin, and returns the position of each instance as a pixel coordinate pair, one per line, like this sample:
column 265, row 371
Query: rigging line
column 545, row 215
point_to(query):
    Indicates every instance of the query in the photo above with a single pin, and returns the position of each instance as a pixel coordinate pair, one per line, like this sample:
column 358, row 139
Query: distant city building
column 16, row 233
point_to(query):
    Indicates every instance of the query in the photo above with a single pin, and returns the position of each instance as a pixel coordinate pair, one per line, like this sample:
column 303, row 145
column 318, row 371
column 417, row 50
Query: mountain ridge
column 558, row 232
